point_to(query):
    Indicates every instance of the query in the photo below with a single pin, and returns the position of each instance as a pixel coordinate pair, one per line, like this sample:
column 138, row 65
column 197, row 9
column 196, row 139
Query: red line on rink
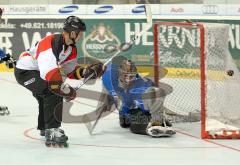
column 26, row 134
column 209, row 141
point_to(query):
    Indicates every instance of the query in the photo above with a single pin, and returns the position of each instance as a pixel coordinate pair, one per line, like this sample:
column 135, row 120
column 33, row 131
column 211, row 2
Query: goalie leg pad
column 124, row 121
column 139, row 121
column 159, row 131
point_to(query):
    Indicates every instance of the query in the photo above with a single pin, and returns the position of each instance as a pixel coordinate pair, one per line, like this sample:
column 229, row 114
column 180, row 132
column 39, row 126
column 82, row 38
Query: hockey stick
column 83, row 82
column 100, row 110
column 127, row 45
column 124, row 47
column 95, row 123
column 90, row 76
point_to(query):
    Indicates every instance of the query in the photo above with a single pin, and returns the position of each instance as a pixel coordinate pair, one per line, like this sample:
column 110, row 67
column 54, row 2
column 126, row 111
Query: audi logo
column 210, row 9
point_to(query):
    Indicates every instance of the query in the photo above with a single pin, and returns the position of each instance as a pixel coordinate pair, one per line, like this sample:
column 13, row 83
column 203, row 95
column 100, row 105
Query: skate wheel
column 55, row 145
column 66, row 145
column 48, row 144
column 62, row 145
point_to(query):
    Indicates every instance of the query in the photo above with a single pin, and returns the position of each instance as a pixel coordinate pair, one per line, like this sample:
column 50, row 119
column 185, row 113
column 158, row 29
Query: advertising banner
column 18, row 35
column 124, row 9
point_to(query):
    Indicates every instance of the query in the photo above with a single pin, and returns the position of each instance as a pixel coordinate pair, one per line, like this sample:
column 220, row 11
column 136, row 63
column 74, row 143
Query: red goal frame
column 204, row 134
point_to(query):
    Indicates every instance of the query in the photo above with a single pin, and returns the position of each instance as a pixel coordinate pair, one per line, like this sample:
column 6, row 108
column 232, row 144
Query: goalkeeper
column 142, row 103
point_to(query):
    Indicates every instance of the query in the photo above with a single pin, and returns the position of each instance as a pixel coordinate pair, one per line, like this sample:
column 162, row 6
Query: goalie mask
column 127, row 73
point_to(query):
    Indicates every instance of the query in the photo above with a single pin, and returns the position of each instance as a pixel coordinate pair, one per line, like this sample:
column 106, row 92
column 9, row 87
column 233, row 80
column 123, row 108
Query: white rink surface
column 110, row 144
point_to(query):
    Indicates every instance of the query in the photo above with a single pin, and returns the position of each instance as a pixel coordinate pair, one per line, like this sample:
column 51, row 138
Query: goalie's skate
column 55, row 138
column 155, row 129
column 4, row 111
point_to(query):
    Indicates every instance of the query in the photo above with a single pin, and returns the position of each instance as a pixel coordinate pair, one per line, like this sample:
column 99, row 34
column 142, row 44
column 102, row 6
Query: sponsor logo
column 210, row 9
column 177, row 10
column 27, row 9
column 68, row 9
column 103, row 9
column 94, row 43
column 32, row 80
column 139, row 90
column 138, row 9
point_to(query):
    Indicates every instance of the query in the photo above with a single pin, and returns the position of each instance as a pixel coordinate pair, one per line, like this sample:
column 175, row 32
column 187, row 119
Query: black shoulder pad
column 57, row 45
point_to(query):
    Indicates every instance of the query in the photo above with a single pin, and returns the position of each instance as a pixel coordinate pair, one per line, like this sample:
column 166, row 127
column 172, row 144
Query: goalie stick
column 123, row 47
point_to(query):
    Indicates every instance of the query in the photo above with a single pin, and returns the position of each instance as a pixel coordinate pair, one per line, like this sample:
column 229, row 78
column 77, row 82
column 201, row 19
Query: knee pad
column 124, row 111
column 139, row 121
column 124, row 121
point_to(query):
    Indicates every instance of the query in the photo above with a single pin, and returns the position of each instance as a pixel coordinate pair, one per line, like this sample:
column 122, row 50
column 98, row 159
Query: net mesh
column 223, row 112
column 179, row 51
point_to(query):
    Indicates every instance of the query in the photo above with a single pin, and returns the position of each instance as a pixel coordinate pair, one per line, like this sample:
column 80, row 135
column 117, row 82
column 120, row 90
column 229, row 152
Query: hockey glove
column 57, row 86
column 93, row 70
column 77, row 73
column 64, row 90
column 9, row 61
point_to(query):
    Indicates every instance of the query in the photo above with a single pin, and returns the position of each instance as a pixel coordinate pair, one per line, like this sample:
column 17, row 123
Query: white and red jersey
column 49, row 54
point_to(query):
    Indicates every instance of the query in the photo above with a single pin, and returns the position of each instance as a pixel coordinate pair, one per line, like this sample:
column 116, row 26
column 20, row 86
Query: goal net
column 202, row 73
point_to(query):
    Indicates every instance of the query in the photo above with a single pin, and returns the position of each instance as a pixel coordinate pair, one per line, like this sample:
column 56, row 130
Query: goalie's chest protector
column 133, row 95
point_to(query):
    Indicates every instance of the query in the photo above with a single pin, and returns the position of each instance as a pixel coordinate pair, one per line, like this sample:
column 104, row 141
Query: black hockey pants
column 48, row 102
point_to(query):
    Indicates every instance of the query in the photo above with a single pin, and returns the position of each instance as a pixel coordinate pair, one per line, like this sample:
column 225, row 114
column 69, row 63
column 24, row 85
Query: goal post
column 198, row 61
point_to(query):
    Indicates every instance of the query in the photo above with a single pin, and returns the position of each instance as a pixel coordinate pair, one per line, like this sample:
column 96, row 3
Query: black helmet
column 73, row 23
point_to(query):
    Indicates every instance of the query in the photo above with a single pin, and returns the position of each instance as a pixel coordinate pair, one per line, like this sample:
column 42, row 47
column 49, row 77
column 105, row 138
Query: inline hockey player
column 38, row 70
column 10, row 63
column 142, row 103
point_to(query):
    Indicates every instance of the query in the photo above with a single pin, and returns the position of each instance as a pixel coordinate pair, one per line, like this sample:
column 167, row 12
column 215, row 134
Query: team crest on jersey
column 97, row 40
column 65, row 53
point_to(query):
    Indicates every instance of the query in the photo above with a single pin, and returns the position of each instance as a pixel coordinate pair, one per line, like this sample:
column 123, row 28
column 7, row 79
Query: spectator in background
column 1, row 11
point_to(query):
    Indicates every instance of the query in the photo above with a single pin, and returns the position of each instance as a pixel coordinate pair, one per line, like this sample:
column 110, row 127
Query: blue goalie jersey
column 131, row 97
column 2, row 55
